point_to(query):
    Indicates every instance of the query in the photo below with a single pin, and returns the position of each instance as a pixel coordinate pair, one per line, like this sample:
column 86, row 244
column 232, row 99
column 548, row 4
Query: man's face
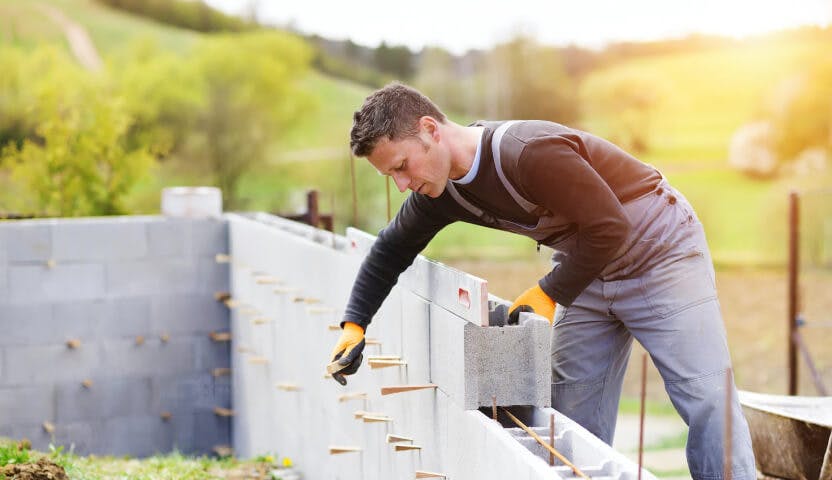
column 415, row 163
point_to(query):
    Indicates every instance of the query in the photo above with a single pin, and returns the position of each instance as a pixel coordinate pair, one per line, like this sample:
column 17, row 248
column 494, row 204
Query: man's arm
column 553, row 174
column 397, row 245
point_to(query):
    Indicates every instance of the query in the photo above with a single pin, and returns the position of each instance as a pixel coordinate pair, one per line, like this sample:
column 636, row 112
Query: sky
column 462, row 25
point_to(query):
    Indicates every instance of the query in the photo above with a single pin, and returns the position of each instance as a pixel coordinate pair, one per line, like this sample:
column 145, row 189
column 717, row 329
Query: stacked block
column 106, row 324
column 435, row 326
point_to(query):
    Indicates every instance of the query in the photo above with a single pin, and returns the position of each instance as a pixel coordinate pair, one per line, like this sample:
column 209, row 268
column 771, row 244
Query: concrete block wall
column 105, row 282
column 290, row 283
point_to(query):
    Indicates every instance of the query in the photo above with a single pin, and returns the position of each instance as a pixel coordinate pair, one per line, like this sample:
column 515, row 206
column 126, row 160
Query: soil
column 43, row 469
column 754, row 308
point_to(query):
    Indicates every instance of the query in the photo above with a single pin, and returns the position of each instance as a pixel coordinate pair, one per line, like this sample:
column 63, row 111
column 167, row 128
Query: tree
column 250, row 92
column 803, row 115
column 626, row 100
column 529, row 81
column 78, row 162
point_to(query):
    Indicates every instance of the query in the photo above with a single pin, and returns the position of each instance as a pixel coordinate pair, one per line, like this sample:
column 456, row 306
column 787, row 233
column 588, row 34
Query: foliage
column 77, row 162
column 530, row 82
column 193, row 15
column 396, row 60
column 802, row 112
column 249, row 95
column 629, row 100
column 15, row 123
column 13, row 453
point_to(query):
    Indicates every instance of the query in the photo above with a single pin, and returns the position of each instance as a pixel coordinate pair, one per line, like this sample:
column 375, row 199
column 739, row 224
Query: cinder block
column 188, row 314
column 32, row 365
column 74, row 319
column 211, row 354
column 95, row 239
column 125, row 358
column 26, row 404
column 28, row 324
column 83, row 438
column 163, row 276
column 167, row 237
column 104, row 399
column 126, row 317
column 210, row 430
column 38, row 283
column 472, row 363
column 139, row 436
column 187, row 393
column 513, row 363
column 211, row 276
column 208, row 237
column 28, row 241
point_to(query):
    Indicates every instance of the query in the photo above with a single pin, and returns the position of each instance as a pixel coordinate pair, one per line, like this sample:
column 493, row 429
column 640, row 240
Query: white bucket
column 192, row 202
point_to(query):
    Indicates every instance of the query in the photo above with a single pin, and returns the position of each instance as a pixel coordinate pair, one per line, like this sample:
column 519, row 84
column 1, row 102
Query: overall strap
column 478, row 212
column 495, row 151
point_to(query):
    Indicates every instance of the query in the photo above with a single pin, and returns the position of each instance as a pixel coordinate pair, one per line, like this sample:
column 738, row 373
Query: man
column 630, row 259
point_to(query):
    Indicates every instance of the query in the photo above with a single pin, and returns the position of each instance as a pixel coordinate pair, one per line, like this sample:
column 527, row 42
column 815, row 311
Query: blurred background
column 105, row 102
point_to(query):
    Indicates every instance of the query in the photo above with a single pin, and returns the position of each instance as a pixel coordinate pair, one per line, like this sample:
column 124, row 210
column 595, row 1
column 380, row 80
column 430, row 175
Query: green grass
column 632, row 406
column 22, row 23
column 171, row 465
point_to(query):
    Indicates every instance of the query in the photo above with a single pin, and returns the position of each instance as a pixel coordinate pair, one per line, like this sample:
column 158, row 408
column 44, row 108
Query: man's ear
column 430, row 126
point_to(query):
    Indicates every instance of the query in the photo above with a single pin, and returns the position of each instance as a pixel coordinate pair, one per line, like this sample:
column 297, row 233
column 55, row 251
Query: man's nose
column 402, row 181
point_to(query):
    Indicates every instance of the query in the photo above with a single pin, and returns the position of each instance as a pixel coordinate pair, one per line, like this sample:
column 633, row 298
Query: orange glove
column 346, row 356
column 532, row 300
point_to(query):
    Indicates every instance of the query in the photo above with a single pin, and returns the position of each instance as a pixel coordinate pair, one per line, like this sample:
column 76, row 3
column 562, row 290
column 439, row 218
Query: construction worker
column 630, row 258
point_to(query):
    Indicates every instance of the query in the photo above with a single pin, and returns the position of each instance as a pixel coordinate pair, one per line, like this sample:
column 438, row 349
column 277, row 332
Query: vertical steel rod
column 387, row 183
column 552, row 439
column 726, row 467
column 641, row 414
column 494, row 407
column 354, row 192
column 794, row 225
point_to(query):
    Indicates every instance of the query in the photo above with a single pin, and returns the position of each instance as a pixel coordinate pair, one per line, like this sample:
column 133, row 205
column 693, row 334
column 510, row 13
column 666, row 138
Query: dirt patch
column 43, row 469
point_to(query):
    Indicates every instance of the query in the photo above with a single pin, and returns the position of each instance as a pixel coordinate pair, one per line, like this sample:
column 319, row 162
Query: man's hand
column 346, row 356
column 532, row 300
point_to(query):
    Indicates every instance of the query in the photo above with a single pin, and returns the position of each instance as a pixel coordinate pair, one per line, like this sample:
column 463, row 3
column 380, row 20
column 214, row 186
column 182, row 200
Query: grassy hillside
column 703, row 98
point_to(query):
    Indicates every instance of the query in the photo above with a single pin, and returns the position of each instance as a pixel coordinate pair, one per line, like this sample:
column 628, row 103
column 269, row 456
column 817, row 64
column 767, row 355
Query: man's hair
column 392, row 112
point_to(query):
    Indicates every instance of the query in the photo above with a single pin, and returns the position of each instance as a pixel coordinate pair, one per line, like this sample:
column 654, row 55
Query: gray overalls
column 660, row 289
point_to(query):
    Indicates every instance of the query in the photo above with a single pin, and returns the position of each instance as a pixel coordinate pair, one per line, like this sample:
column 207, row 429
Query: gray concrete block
column 27, row 405
column 75, row 319
column 125, row 358
column 164, row 276
column 28, row 324
column 138, row 436
column 27, row 241
column 210, row 430
column 211, row 276
column 187, row 393
column 188, row 313
column 208, row 237
column 96, row 239
column 38, row 283
column 167, row 237
column 126, row 317
column 105, row 398
column 32, row 365
column 211, row 354
column 82, row 438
